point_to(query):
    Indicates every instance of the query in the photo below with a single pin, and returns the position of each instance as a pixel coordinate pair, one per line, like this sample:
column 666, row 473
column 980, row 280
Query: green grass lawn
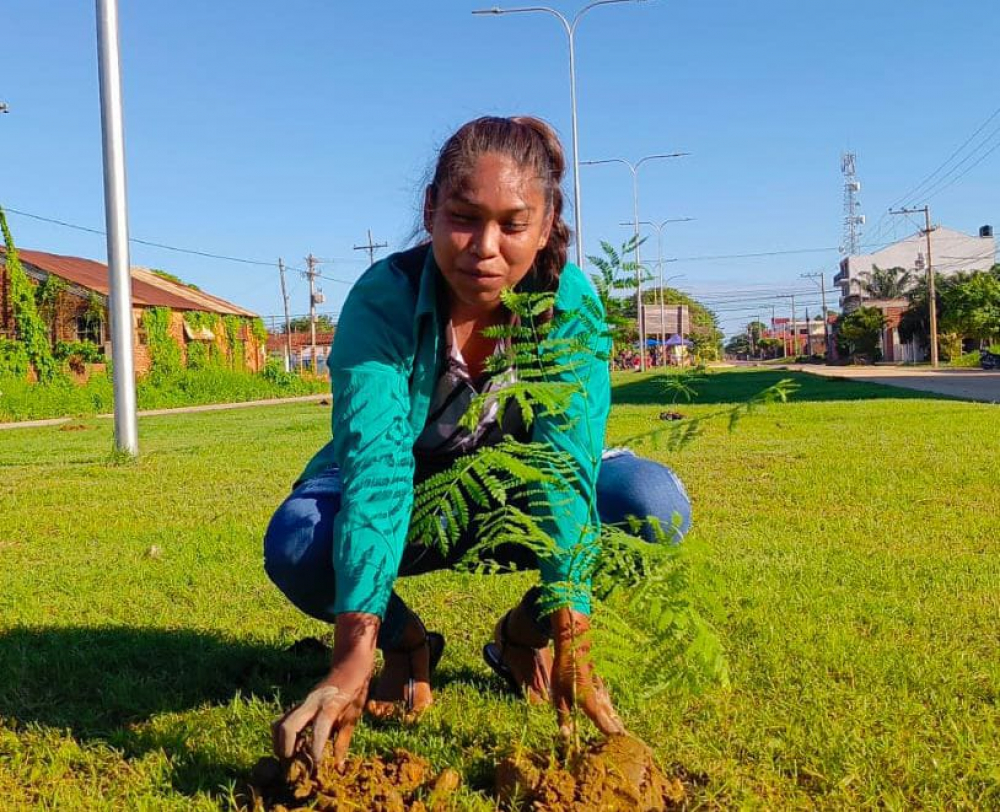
column 845, row 547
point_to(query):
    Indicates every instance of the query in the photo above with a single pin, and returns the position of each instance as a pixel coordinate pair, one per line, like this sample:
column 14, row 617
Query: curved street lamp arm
column 526, row 9
column 610, row 161
column 645, row 158
column 589, row 6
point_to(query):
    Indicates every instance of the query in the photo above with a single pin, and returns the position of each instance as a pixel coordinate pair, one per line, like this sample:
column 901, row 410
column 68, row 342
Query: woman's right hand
column 335, row 705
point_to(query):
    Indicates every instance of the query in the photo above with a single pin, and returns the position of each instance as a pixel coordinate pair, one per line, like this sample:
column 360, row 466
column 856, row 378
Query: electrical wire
column 151, row 243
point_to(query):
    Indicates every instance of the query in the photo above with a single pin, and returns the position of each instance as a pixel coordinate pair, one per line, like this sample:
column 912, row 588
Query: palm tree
column 890, row 283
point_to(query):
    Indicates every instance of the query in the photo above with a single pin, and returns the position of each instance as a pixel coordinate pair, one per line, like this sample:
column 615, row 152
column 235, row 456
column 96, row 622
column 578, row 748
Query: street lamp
column 659, row 263
column 570, row 26
column 634, row 169
column 116, row 217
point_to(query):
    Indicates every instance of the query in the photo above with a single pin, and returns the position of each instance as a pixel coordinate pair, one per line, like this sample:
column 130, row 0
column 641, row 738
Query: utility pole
column 931, row 294
column 370, row 247
column 311, row 275
column 826, row 322
column 288, row 321
column 795, row 337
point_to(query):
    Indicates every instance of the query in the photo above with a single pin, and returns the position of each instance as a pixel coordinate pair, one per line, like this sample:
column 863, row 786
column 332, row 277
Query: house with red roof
column 200, row 324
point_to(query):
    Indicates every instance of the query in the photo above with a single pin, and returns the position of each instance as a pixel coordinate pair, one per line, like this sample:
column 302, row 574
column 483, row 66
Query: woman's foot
column 521, row 655
column 403, row 686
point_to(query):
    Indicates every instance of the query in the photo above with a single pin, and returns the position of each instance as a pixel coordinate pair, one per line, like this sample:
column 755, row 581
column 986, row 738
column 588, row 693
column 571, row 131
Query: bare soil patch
column 617, row 774
column 402, row 783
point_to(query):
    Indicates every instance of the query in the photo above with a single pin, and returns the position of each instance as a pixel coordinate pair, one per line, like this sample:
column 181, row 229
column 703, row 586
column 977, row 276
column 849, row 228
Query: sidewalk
column 967, row 384
column 208, row 407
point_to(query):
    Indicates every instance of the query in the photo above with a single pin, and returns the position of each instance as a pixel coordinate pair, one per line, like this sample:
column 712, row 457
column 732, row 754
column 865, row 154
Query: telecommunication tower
column 851, row 245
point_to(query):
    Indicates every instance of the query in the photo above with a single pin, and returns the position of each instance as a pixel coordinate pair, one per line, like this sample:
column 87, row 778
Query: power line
column 948, row 160
column 152, row 244
column 956, row 179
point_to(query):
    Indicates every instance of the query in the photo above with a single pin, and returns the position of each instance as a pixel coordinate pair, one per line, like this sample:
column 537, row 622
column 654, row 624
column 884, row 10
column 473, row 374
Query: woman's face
column 486, row 232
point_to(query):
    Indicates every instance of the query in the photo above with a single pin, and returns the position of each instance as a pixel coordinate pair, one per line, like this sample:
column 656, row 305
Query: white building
column 951, row 252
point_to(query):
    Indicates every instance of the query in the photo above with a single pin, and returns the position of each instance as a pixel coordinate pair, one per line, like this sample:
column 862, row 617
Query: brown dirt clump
column 617, row 774
column 402, row 783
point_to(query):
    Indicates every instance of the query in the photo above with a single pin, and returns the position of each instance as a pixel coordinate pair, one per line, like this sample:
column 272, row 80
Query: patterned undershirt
column 442, row 439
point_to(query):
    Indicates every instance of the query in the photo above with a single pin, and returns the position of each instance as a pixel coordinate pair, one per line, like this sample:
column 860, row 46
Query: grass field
column 845, row 547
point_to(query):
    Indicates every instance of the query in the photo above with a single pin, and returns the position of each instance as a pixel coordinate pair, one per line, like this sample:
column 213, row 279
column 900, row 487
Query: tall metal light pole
column 659, row 265
column 634, row 169
column 570, row 26
column 116, row 218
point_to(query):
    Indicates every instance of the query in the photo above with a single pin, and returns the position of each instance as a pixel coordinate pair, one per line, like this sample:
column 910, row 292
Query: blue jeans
column 298, row 546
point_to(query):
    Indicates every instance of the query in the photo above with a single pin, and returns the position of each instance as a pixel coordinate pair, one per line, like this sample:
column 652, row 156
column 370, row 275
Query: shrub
column 86, row 351
column 14, row 361
column 21, row 400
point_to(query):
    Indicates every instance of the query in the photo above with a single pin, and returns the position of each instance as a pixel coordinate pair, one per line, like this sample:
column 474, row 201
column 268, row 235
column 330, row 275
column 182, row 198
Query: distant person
column 408, row 358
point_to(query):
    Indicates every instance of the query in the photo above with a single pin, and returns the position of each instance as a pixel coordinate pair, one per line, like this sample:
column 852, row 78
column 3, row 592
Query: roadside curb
column 207, row 407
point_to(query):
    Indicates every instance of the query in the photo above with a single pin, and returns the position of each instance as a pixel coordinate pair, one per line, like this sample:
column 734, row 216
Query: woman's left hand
column 574, row 680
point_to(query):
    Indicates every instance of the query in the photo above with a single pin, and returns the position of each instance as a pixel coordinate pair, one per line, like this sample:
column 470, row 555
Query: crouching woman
column 410, row 357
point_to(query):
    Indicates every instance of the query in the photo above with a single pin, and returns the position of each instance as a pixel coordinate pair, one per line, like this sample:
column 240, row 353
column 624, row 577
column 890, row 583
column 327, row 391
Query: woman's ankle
column 518, row 628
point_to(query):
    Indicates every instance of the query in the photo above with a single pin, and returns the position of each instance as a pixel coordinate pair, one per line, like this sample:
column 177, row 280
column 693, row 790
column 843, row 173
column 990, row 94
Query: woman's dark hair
column 530, row 142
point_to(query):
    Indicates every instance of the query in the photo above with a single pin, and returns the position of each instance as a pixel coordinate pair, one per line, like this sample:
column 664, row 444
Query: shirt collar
column 427, row 297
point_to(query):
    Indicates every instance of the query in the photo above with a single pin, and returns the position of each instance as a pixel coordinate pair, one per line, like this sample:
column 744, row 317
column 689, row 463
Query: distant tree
column 858, row 332
column 324, row 323
column 971, row 308
column 890, row 283
column 770, row 347
column 738, row 345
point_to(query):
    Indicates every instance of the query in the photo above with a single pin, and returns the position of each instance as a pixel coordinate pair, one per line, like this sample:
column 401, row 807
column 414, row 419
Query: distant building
column 676, row 320
column 81, row 311
column 951, row 252
column 805, row 337
column 301, row 342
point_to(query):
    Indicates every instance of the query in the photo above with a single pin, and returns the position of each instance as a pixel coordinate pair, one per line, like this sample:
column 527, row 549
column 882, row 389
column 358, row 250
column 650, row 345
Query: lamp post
column 659, row 263
column 634, row 169
column 570, row 26
column 116, row 217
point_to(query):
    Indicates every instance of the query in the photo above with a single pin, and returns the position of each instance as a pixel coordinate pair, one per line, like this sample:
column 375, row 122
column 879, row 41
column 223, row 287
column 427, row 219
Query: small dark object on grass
column 671, row 416
column 74, row 427
column 324, row 402
column 615, row 775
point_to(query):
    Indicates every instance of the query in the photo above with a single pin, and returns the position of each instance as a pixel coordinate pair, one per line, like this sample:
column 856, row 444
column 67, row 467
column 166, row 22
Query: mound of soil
column 403, row 783
column 617, row 774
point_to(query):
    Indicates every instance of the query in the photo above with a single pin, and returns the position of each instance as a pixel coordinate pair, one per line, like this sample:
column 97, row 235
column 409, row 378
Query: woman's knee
column 298, row 549
column 632, row 486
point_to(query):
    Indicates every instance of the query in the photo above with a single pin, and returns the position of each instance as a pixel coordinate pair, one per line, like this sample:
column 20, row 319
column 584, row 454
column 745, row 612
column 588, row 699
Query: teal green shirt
column 384, row 365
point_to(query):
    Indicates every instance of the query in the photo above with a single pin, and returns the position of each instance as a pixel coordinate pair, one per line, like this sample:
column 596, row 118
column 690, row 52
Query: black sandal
column 435, row 648
column 493, row 655
column 434, row 641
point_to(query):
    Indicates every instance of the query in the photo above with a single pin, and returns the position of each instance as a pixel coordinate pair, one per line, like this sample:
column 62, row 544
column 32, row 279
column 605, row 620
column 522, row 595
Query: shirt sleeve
column 372, row 444
column 571, row 516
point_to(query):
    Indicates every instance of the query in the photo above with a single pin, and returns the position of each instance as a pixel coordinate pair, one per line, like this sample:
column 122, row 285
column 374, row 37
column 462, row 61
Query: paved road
column 968, row 384
column 210, row 407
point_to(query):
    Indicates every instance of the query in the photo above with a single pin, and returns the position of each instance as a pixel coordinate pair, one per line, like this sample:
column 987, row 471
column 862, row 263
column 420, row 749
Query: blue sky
column 261, row 130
